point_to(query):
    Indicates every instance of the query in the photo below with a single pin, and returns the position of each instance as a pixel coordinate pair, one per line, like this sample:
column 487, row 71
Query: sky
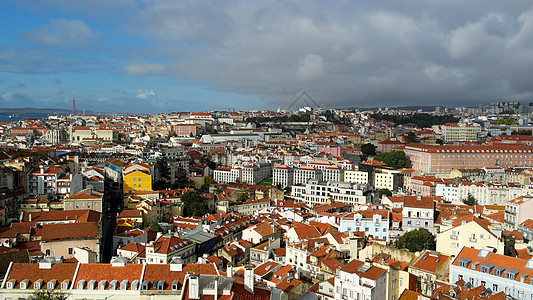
column 151, row 56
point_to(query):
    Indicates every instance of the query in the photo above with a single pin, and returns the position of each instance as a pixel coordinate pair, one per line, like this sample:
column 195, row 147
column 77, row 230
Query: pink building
column 435, row 159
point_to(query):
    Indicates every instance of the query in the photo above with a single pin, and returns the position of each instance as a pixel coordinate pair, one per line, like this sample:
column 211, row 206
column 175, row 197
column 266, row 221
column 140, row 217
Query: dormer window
column 511, row 274
column 124, row 285
column 10, row 284
column 37, row 285
column 91, row 284
column 64, row 285
column 175, row 285
column 145, row 285
column 102, row 284
column 81, row 284
column 51, row 284
column 24, row 284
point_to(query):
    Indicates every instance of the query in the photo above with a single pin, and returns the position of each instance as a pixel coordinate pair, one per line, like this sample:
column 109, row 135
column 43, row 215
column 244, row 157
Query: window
column 47, row 252
column 134, row 179
column 70, row 251
column 494, row 287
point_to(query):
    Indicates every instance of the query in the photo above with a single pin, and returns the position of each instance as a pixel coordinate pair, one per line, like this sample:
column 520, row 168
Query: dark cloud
column 344, row 53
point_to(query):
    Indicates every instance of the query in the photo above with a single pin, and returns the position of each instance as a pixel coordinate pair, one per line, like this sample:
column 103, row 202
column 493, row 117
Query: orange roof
column 70, row 231
column 98, row 272
column 32, row 272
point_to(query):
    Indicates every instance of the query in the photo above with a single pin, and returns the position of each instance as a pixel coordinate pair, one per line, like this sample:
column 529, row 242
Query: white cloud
column 62, row 32
column 146, row 94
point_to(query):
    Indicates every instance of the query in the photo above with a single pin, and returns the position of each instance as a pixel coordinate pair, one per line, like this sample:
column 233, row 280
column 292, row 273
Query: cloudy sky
column 156, row 56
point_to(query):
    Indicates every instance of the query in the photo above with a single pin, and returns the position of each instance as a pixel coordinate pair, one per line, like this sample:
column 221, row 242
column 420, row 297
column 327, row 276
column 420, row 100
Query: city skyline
column 132, row 56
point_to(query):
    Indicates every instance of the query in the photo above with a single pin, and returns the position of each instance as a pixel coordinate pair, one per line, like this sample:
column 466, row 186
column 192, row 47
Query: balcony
column 453, row 237
column 473, row 240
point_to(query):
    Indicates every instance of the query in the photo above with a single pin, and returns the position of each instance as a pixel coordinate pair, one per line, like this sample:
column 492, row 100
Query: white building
column 361, row 280
column 282, row 175
column 304, row 173
column 318, row 192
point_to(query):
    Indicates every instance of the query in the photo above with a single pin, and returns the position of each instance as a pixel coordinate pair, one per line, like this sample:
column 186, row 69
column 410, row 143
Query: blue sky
column 155, row 56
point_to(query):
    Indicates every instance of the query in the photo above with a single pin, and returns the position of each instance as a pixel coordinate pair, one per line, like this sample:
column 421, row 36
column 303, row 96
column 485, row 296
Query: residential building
column 320, row 192
column 418, row 212
column 517, row 211
column 360, row 280
column 305, row 173
column 427, row 268
column 374, row 223
column 468, row 232
column 282, row 175
column 457, row 132
column 497, row 272
column 86, row 199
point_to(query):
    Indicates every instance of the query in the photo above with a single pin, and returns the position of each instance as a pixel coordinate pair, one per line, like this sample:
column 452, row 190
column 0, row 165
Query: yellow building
column 137, row 177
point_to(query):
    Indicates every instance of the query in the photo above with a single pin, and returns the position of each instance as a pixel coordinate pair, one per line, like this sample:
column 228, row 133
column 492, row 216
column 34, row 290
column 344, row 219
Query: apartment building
column 305, row 173
column 373, row 223
column 457, row 132
column 282, row 175
column 517, row 211
column 360, row 280
column 227, row 174
column 418, row 212
column 497, row 272
column 473, row 233
column 356, row 176
column 320, row 192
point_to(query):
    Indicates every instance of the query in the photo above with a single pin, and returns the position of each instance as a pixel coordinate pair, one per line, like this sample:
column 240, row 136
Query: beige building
column 86, row 199
column 356, row 176
column 474, row 233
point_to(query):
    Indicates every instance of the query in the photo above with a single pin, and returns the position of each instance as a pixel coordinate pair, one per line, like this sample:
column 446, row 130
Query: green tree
column 163, row 168
column 48, row 295
column 440, row 141
column 417, row 240
column 207, row 181
column 507, row 122
column 470, row 200
column 211, row 164
column 153, row 225
column 395, row 159
column 193, row 204
column 368, row 149
column 410, row 137
column 385, row 192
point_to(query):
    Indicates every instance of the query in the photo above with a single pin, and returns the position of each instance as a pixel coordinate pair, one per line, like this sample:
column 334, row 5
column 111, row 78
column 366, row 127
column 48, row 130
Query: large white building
column 304, row 173
column 318, row 192
column 282, row 175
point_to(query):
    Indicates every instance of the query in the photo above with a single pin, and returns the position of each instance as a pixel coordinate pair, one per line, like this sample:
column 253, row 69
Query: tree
column 410, row 137
column 507, row 122
column 439, row 141
column 470, row 200
column 193, row 204
column 385, row 192
column 48, row 295
column 153, row 225
column 368, row 149
column 207, row 181
column 395, row 159
column 211, row 164
column 417, row 240
column 163, row 168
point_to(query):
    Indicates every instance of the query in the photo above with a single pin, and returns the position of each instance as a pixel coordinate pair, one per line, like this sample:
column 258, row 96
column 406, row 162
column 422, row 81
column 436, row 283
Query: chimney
column 229, row 270
column 194, row 286
column 249, row 278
